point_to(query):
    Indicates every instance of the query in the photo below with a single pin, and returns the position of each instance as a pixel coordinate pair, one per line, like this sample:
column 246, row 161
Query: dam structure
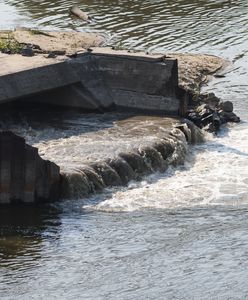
column 99, row 78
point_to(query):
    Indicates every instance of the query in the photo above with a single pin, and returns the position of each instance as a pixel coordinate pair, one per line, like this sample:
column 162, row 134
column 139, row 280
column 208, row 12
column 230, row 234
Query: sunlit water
column 179, row 235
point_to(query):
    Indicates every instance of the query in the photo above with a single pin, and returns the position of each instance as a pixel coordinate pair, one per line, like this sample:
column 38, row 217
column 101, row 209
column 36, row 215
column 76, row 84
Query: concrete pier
column 24, row 176
column 95, row 79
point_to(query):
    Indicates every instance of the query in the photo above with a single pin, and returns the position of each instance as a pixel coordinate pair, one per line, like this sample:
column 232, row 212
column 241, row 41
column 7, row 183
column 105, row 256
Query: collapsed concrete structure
column 94, row 80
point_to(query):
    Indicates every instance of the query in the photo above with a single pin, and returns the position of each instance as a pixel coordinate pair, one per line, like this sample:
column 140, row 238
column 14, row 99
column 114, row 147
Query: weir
column 75, row 163
column 95, row 79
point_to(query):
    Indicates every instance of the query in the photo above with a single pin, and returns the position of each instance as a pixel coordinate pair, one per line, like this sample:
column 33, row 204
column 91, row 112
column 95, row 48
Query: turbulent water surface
column 178, row 235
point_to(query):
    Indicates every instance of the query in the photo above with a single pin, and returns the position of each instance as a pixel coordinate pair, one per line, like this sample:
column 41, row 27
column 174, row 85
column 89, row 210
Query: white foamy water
column 213, row 174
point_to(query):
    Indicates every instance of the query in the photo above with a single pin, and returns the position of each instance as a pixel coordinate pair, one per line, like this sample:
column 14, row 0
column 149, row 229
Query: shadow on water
column 39, row 116
column 22, row 227
column 226, row 149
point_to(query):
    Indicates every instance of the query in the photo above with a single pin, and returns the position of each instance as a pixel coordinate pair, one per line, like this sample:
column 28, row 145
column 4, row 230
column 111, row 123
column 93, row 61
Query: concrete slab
column 93, row 80
column 15, row 63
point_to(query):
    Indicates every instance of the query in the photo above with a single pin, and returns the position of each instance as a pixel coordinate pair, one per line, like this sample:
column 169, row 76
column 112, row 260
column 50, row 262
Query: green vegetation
column 9, row 45
column 195, row 90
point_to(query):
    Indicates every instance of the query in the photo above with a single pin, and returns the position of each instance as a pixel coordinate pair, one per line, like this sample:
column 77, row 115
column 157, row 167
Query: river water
column 178, row 235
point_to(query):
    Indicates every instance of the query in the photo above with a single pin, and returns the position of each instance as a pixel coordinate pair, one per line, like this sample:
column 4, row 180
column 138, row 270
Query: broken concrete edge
column 205, row 110
column 169, row 150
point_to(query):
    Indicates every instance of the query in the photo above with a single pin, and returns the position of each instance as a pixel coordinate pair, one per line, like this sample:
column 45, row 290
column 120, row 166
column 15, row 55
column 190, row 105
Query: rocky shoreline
column 205, row 110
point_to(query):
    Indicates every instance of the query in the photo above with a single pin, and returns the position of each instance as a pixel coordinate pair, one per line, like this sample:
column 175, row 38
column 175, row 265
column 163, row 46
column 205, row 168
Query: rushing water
column 179, row 235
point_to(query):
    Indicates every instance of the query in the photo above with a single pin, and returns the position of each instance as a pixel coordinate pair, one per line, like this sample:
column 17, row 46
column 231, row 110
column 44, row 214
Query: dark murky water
column 180, row 235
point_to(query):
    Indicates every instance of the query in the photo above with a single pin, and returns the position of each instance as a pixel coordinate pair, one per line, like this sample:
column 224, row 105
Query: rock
column 210, row 99
column 204, row 111
column 206, row 120
column 27, row 51
column 201, row 108
column 194, row 117
column 229, row 117
column 210, row 128
column 24, row 176
column 226, row 106
column 210, row 115
column 51, row 55
column 216, row 121
column 6, row 51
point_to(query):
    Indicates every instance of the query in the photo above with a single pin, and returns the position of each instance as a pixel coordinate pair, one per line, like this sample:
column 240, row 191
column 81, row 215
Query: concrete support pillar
column 24, row 176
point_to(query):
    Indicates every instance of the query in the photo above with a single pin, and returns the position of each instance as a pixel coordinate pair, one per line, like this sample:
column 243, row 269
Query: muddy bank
column 194, row 70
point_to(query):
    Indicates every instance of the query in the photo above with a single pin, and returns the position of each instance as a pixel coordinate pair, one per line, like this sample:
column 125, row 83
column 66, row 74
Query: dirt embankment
column 196, row 69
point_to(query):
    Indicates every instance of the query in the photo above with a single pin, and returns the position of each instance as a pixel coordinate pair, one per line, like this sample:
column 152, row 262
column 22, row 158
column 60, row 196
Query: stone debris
column 210, row 115
column 27, row 51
